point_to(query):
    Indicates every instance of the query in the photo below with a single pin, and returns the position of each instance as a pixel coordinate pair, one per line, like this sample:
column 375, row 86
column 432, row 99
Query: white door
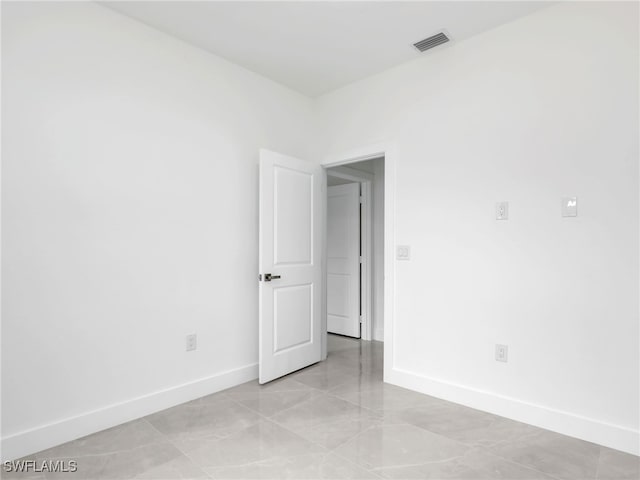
column 290, row 268
column 343, row 259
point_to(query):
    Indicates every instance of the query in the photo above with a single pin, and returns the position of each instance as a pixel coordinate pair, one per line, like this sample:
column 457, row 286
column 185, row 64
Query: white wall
column 129, row 217
column 537, row 109
column 378, row 249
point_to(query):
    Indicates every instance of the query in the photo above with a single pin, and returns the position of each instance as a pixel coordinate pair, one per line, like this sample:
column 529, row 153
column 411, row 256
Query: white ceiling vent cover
column 432, row 41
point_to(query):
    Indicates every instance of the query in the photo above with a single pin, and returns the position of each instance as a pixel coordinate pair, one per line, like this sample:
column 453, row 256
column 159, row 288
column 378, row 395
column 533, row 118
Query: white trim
column 52, row 434
column 323, row 264
column 389, row 259
column 359, row 154
column 566, row 423
column 388, row 151
column 366, row 237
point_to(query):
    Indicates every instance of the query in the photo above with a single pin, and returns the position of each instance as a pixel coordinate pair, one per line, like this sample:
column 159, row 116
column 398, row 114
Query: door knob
column 267, row 277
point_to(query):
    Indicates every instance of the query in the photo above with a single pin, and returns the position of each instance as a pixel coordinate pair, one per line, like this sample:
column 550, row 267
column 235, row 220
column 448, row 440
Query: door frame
column 387, row 150
column 365, row 180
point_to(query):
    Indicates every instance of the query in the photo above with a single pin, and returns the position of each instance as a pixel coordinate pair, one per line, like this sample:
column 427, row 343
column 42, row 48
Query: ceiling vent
column 433, row 41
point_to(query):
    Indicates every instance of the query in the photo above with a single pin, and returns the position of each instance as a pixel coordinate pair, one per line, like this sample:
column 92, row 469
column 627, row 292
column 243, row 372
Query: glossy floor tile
column 332, row 420
column 313, row 466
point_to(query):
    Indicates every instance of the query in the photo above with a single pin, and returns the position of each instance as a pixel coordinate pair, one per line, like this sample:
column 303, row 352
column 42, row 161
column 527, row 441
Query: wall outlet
column 502, row 211
column 192, row 342
column 403, row 252
column 502, row 353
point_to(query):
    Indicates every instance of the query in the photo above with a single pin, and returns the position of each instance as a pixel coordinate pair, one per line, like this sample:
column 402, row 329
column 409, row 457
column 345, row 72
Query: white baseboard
column 52, row 434
column 591, row 430
column 378, row 334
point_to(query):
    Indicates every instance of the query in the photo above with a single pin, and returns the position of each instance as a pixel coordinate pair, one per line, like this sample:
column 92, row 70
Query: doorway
column 293, row 262
column 355, row 249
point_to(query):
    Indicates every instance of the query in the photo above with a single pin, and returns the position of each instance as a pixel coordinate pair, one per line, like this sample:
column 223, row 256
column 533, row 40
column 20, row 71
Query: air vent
column 433, row 41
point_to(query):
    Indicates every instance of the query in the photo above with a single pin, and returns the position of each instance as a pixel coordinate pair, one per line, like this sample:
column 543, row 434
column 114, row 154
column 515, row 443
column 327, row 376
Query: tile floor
column 336, row 420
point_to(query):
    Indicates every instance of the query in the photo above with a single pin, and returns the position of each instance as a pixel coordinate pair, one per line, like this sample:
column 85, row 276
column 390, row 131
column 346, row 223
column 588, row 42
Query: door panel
column 289, row 250
column 293, row 239
column 292, row 318
column 343, row 259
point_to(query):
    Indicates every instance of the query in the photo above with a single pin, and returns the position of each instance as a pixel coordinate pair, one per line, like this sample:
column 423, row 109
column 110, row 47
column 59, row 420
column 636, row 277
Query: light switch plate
column 192, row 342
column 502, row 353
column 502, row 211
column 403, row 252
column 569, row 206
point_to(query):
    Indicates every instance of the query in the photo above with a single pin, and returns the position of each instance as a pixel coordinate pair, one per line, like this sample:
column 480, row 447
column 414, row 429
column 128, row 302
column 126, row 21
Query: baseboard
column 602, row 433
column 47, row 436
column 378, row 334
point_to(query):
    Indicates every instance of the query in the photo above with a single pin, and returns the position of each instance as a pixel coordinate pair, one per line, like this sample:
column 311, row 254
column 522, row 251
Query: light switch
column 502, row 211
column 403, row 252
column 569, row 206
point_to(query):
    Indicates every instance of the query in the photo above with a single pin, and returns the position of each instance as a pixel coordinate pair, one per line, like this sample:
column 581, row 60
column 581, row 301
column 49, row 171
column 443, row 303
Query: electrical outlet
column 502, row 353
column 502, row 211
column 192, row 342
column 403, row 252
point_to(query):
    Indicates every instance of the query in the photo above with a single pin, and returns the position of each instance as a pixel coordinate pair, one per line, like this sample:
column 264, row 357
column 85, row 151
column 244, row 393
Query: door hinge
column 361, row 259
column 361, row 199
column 360, row 318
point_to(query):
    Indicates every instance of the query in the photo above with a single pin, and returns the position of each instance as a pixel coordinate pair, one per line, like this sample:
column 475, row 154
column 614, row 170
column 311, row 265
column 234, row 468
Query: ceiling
column 315, row 47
